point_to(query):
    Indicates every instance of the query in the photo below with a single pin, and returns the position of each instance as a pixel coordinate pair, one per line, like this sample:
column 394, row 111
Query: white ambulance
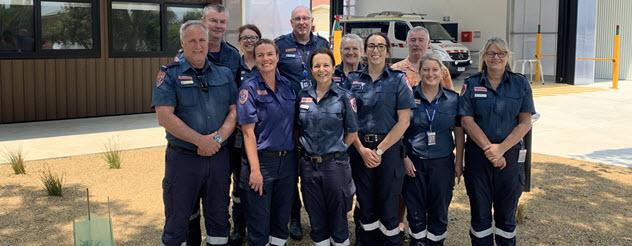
column 396, row 25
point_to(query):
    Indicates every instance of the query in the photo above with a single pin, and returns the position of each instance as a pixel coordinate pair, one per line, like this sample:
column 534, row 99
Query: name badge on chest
column 432, row 138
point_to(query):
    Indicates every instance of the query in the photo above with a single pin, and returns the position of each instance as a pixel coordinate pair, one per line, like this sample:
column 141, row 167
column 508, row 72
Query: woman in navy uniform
column 248, row 36
column 327, row 126
column 351, row 52
column 266, row 115
column 495, row 108
column 430, row 166
column 384, row 102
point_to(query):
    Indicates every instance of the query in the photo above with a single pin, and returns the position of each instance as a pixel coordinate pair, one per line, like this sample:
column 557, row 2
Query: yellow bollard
column 538, row 54
column 335, row 41
column 615, row 60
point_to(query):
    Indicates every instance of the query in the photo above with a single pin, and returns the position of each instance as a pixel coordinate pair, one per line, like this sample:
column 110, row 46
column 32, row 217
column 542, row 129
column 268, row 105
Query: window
column 363, row 29
column 66, row 25
column 175, row 17
column 401, row 31
column 40, row 29
column 148, row 28
column 437, row 32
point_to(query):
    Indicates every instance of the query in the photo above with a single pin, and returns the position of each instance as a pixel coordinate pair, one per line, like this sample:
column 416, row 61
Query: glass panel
column 401, row 31
column 66, row 25
column 175, row 17
column 135, row 27
column 437, row 32
column 16, row 25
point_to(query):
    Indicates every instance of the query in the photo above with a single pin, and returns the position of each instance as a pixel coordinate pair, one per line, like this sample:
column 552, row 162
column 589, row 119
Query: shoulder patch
column 243, row 96
column 354, row 106
column 160, row 78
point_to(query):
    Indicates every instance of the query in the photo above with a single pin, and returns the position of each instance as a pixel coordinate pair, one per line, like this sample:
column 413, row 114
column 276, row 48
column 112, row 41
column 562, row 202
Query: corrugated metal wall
column 609, row 14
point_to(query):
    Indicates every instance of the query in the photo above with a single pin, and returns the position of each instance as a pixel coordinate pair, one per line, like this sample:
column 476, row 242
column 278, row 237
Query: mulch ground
column 571, row 203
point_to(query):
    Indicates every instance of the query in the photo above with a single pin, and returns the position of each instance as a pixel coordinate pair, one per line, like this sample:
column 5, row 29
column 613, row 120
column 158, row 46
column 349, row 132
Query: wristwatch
column 218, row 138
column 379, row 152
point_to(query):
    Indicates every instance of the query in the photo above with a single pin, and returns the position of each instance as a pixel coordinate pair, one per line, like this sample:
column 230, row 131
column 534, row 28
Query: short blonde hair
column 502, row 45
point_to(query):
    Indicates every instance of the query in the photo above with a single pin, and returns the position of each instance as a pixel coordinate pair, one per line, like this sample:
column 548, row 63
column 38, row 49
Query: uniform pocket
column 188, row 95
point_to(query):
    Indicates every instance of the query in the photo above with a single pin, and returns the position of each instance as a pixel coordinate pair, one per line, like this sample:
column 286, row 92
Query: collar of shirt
column 311, row 39
column 244, row 66
column 485, row 82
column 311, row 91
column 386, row 73
column 420, row 94
column 187, row 66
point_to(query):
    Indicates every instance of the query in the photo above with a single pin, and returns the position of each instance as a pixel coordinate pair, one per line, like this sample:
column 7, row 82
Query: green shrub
column 112, row 155
column 16, row 159
column 53, row 183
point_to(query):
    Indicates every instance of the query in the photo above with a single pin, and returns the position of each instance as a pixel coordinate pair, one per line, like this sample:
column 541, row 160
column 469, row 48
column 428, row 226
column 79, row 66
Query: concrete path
column 593, row 125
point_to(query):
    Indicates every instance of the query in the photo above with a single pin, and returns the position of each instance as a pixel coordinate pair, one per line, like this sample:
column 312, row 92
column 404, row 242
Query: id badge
column 522, row 155
column 432, row 138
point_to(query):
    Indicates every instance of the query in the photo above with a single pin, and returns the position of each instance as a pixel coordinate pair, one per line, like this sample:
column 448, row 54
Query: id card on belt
column 522, row 156
column 432, row 138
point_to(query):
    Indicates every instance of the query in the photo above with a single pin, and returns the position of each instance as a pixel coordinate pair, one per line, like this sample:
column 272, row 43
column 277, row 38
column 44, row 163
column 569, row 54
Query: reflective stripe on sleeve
column 277, row 241
column 389, row 233
column 345, row 243
column 216, row 240
column 418, row 235
column 507, row 235
column 481, row 234
column 372, row 226
column 437, row 238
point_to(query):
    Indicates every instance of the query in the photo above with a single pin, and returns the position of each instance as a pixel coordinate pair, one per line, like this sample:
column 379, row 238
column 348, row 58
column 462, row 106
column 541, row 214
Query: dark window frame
column 164, row 51
column 40, row 53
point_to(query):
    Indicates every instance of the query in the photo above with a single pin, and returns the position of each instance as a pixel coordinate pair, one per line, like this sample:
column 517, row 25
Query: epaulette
column 511, row 72
column 170, row 65
column 279, row 38
column 451, row 91
column 474, row 75
column 323, row 39
column 232, row 47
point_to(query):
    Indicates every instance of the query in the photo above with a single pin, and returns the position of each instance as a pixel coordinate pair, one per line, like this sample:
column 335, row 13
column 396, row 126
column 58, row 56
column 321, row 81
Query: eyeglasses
column 249, row 38
column 204, row 86
column 302, row 18
column 501, row 54
column 380, row 47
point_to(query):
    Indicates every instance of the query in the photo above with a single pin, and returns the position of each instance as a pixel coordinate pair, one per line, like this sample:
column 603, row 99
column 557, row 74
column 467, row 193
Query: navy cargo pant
column 267, row 216
column 378, row 191
column 428, row 197
column 235, row 152
column 187, row 178
column 488, row 186
column 327, row 190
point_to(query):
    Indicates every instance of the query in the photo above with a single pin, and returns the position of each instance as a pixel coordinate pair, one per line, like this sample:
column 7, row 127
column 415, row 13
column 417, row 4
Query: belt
column 324, row 158
column 272, row 153
column 182, row 150
column 372, row 138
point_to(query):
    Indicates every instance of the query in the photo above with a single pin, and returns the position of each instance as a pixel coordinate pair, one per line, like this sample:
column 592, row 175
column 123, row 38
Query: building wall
column 487, row 16
column 50, row 89
column 609, row 14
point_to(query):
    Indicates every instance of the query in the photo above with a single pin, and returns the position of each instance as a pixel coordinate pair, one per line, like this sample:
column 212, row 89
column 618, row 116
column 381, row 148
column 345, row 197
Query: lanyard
column 300, row 57
column 435, row 107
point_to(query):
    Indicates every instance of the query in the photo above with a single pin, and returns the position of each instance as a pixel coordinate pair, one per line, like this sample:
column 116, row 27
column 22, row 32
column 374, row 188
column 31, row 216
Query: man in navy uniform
column 294, row 51
column 194, row 103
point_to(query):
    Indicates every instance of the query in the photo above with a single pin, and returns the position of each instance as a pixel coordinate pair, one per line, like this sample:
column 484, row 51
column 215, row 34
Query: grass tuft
column 112, row 154
column 53, row 183
column 16, row 159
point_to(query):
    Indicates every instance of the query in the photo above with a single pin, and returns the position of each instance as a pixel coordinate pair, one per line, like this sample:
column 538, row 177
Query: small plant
column 112, row 154
column 16, row 159
column 53, row 183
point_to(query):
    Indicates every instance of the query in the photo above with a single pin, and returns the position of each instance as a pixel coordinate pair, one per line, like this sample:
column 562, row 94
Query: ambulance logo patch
column 243, row 96
column 354, row 106
column 160, row 78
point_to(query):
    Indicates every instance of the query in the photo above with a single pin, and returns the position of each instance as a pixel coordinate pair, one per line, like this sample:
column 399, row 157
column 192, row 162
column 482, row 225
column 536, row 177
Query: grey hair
column 215, row 7
column 419, row 29
column 351, row 37
column 192, row 23
column 309, row 11
column 502, row 45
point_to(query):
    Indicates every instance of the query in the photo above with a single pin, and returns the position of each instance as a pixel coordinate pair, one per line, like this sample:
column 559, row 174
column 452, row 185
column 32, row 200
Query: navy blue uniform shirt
column 496, row 111
column 341, row 79
column 323, row 124
column 379, row 101
column 444, row 119
column 244, row 71
column 201, row 97
column 294, row 58
column 272, row 112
